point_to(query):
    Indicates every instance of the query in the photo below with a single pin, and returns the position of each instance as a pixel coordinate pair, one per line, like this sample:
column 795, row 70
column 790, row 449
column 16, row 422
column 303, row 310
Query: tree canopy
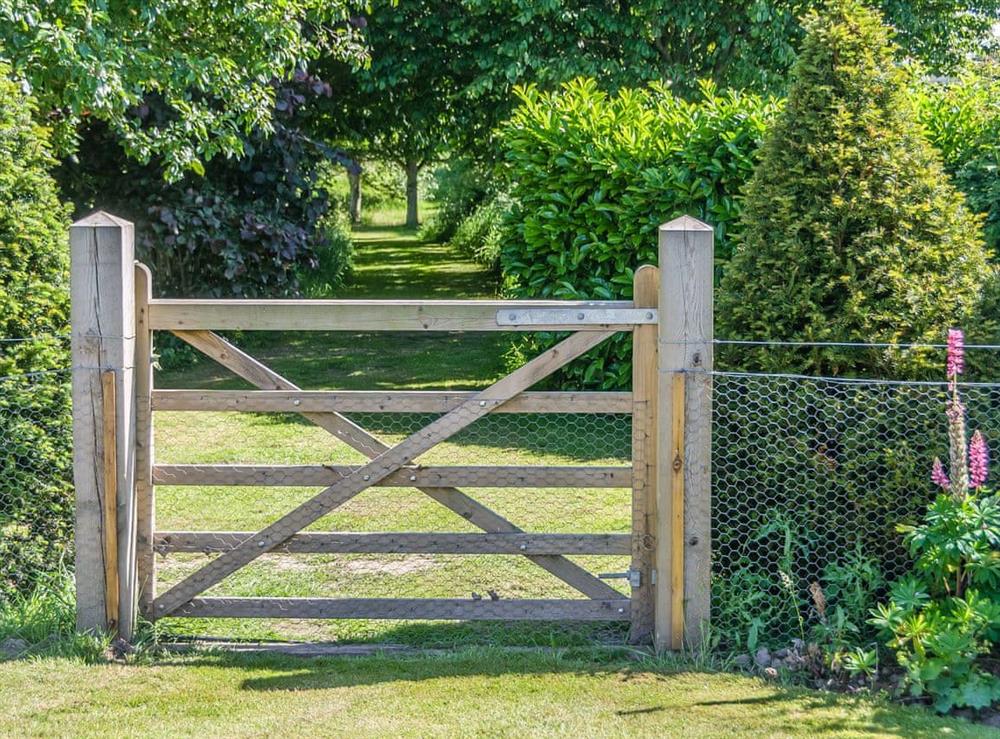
column 212, row 64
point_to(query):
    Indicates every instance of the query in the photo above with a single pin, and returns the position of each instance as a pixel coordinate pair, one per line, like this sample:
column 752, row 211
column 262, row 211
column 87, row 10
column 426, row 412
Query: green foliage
column 942, row 620
column 593, row 175
column 738, row 43
column 962, row 119
column 334, row 258
column 483, row 233
column 383, row 183
column 850, row 230
column 209, row 64
column 248, row 226
column 45, row 619
column 36, row 500
column 457, row 187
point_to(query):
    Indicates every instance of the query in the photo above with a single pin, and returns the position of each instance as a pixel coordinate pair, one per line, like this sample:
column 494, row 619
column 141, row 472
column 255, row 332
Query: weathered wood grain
column 408, row 608
column 357, row 438
column 379, row 468
column 399, row 401
column 457, row 476
column 174, row 542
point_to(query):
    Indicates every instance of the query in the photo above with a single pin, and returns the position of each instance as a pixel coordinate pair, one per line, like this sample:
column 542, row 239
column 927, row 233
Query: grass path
column 390, row 263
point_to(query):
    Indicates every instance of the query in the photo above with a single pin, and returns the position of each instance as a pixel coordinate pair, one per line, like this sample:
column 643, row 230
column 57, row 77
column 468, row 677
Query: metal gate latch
column 634, row 577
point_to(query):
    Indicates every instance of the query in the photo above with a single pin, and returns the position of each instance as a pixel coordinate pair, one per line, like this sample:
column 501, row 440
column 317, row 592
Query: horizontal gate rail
column 173, row 542
column 393, row 315
column 437, row 477
column 477, row 514
column 364, row 401
column 379, row 468
column 406, row 608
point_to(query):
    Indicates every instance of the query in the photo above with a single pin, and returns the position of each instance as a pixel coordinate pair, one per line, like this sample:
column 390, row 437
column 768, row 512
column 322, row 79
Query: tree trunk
column 412, row 170
column 354, row 203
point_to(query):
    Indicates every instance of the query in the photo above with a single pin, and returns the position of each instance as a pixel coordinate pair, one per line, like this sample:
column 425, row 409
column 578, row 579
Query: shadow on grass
column 665, row 691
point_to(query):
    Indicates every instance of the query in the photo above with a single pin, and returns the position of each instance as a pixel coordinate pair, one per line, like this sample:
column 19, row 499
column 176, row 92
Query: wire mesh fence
column 36, row 493
column 811, row 477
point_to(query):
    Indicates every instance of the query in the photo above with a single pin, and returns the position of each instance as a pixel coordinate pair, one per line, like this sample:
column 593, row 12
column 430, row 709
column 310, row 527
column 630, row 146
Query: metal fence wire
column 36, row 491
column 582, row 442
column 811, row 477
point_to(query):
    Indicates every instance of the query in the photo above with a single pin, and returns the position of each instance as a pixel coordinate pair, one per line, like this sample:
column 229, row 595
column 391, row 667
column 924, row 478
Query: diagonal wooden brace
column 264, row 378
column 377, row 469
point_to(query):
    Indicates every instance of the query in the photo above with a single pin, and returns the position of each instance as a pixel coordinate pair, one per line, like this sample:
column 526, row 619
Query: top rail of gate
column 397, row 315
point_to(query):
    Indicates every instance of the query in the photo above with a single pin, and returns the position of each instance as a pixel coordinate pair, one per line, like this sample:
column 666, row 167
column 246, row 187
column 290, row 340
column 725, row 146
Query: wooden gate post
column 684, row 437
column 102, row 315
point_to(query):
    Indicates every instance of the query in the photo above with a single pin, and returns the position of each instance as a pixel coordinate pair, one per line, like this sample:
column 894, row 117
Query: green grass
column 468, row 693
column 390, row 263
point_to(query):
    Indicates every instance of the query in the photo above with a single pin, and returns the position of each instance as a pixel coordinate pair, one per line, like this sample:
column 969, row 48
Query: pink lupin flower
column 979, row 460
column 956, row 352
column 938, row 476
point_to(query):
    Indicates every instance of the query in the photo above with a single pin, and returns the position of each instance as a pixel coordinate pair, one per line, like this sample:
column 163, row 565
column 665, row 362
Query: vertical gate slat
column 646, row 290
column 144, row 491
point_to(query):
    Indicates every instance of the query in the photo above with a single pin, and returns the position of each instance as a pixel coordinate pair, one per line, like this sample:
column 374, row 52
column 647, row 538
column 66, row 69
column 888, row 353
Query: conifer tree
column 851, row 230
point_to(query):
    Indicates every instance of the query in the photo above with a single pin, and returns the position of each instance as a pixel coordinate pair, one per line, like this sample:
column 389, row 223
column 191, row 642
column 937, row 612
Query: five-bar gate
column 116, row 472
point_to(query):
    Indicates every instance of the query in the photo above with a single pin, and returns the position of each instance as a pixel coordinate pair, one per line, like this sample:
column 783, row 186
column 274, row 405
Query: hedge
column 593, row 175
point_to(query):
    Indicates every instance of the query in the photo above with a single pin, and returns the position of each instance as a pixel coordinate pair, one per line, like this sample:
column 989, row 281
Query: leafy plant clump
column 36, row 495
column 851, row 230
column 962, row 119
column 246, row 227
column 593, row 175
column 484, row 231
column 943, row 619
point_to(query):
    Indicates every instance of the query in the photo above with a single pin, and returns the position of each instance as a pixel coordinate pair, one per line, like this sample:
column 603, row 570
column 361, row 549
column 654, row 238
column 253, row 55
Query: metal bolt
column 482, row 403
column 693, row 541
column 413, row 478
column 261, row 544
column 621, row 610
column 367, row 477
column 580, row 316
column 512, row 316
column 296, row 402
column 649, row 314
column 524, row 546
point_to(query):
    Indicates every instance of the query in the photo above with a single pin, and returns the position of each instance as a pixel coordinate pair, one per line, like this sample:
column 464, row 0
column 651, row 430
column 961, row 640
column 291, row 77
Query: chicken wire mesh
column 589, row 494
column 811, row 477
column 36, row 493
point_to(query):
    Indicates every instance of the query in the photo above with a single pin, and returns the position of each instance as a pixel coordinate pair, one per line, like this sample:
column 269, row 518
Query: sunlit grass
column 493, row 692
column 390, row 264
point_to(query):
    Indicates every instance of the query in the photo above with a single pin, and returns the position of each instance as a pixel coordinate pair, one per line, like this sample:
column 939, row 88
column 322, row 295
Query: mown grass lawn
column 390, row 263
column 468, row 693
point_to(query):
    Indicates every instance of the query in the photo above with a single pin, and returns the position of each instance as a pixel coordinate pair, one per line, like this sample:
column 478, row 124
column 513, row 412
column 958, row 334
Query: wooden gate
column 669, row 541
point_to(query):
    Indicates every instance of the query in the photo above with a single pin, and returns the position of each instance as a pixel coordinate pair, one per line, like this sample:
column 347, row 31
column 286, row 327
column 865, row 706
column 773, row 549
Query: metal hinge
column 634, row 577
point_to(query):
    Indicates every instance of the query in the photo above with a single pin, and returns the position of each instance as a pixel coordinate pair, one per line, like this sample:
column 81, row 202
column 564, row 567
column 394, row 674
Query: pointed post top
column 685, row 223
column 101, row 218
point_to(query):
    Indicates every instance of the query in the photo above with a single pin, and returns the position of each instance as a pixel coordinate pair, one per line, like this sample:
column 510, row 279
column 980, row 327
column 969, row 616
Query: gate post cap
column 101, row 218
column 685, row 223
